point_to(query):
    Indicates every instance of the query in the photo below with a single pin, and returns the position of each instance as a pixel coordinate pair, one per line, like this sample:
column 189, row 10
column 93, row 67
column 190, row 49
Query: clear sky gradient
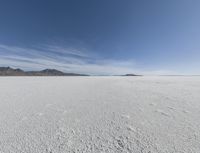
column 101, row 36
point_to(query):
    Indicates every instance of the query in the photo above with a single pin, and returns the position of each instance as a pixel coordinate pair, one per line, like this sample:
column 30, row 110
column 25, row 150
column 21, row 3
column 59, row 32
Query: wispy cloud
column 65, row 59
column 64, row 51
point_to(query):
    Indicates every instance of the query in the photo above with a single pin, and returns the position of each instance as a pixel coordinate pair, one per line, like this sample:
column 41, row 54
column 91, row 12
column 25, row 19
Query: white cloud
column 68, row 60
column 63, row 50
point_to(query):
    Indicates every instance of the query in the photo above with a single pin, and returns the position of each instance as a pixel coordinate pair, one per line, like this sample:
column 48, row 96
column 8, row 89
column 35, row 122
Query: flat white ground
column 100, row 114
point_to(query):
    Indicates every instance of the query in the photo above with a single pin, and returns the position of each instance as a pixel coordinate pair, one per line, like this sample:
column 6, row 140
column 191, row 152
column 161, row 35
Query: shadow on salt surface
column 162, row 112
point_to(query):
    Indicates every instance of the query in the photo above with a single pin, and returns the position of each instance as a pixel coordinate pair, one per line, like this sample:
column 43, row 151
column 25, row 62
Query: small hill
column 132, row 75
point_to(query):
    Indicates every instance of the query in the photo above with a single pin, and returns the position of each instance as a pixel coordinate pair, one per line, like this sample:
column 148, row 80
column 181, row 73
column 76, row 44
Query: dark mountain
column 7, row 71
column 132, row 75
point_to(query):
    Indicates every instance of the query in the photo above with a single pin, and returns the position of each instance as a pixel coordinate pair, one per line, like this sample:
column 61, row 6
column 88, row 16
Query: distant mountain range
column 8, row 71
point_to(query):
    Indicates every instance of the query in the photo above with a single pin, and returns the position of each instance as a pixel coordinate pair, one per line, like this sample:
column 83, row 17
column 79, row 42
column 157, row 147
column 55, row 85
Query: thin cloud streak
column 62, row 50
column 72, row 60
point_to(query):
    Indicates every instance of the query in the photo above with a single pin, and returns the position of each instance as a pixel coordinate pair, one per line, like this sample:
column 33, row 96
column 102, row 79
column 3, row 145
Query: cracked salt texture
column 99, row 114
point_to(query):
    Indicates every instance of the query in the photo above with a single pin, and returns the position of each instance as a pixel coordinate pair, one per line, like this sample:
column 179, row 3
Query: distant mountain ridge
column 8, row 71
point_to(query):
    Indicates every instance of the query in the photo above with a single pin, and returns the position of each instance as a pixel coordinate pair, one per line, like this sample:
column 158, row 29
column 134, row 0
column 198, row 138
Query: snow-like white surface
column 100, row 114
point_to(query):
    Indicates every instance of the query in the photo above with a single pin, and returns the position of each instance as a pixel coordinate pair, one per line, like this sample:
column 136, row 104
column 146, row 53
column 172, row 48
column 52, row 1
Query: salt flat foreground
column 99, row 114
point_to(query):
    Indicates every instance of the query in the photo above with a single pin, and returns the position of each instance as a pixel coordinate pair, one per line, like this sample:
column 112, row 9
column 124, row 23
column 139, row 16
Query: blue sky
column 101, row 36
